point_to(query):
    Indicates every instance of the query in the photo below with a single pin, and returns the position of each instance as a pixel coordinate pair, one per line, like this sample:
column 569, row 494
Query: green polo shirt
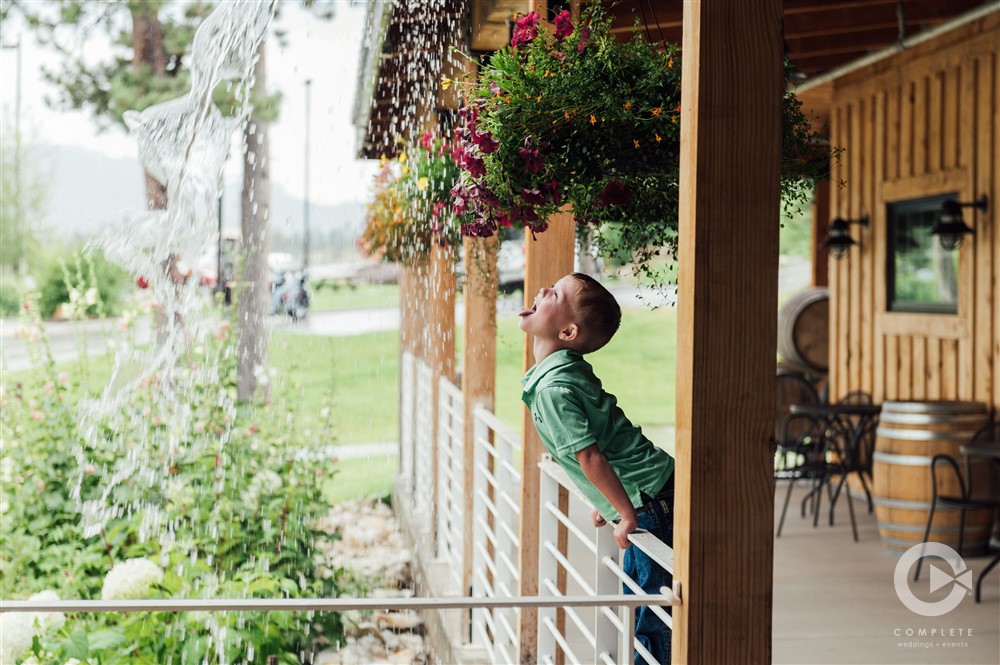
column 572, row 411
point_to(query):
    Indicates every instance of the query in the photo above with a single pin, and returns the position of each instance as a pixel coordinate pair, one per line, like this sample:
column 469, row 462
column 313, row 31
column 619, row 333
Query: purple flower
column 584, row 38
column 485, row 142
column 552, row 189
column 564, row 25
column 485, row 196
column 495, row 89
column 524, row 214
column 615, row 193
column 532, row 196
column 461, row 202
column 532, row 160
column 525, row 30
column 538, row 227
column 472, row 163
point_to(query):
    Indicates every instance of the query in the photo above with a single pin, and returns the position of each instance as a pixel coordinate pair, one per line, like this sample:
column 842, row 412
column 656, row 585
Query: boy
column 619, row 470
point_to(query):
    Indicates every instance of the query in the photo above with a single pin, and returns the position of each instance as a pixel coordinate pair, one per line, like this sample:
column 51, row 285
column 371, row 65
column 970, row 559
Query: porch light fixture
column 839, row 240
column 950, row 228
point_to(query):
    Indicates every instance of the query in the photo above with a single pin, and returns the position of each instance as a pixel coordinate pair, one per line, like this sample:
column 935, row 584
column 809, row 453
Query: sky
column 325, row 51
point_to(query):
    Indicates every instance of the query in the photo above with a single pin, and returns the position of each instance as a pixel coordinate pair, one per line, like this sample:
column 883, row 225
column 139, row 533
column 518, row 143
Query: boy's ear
column 569, row 333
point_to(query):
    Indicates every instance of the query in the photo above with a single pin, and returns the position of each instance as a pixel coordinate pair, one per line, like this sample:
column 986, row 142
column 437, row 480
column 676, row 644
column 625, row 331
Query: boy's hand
column 626, row 525
column 596, row 519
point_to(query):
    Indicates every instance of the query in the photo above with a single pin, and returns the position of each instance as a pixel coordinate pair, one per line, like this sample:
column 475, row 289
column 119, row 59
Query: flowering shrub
column 411, row 207
column 237, row 500
column 572, row 117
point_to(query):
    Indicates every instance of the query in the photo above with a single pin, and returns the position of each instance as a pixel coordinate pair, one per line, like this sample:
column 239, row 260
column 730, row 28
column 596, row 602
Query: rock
column 399, row 620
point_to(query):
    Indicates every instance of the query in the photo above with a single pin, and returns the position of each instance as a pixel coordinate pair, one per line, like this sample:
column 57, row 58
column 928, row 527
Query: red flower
column 525, row 30
column 142, row 282
column 615, row 194
column 473, row 164
column 532, row 160
column 523, row 214
column 564, row 25
column 438, row 207
column 426, row 140
column 584, row 38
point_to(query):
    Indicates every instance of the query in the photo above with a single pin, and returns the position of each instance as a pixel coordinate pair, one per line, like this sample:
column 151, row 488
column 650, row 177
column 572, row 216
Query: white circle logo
column 960, row 578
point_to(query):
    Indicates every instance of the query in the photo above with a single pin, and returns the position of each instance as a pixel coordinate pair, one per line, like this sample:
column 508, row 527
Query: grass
column 360, row 478
column 327, row 296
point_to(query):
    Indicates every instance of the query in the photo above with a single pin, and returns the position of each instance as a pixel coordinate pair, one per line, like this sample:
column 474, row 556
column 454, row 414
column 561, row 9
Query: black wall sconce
column 950, row 228
column 839, row 240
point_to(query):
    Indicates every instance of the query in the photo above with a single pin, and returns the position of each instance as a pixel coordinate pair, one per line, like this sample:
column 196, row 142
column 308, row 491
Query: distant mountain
column 88, row 190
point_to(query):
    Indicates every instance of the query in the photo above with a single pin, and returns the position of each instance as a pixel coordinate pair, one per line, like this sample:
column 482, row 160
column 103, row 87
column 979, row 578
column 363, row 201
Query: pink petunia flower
column 564, row 25
column 525, row 30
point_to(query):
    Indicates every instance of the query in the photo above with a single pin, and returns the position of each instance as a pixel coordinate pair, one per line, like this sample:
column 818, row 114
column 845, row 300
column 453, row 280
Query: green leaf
column 107, row 639
column 76, row 645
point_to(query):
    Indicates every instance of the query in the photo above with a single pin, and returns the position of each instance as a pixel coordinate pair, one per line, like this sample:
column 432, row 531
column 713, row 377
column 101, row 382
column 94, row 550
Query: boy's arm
column 595, row 466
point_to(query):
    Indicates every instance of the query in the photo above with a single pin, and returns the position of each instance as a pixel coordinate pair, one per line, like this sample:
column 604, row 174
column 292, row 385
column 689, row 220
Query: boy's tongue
column 526, row 311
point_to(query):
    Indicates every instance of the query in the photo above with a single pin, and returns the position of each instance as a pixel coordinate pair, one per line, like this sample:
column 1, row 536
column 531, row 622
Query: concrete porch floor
column 835, row 601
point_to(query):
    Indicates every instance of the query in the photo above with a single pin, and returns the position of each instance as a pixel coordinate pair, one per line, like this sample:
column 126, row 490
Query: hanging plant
column 411, row 207
column 570, row 116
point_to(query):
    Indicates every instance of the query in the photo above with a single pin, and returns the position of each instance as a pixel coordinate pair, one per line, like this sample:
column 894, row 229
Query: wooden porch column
column 727, row 314
column 820, row 229
column 547, row 258
column 439, row 339
column 479, row 365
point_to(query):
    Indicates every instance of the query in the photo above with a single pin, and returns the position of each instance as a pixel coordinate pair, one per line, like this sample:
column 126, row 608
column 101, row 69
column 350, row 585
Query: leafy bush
column 83, row 285
column 225, row 512
column 10, row 296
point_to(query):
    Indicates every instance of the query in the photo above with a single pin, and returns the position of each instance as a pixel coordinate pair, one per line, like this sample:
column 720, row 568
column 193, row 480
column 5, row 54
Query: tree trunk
column 253, row 331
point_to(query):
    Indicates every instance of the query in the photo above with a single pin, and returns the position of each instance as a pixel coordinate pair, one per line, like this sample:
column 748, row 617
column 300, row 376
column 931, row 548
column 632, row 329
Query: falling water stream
column 183, row 144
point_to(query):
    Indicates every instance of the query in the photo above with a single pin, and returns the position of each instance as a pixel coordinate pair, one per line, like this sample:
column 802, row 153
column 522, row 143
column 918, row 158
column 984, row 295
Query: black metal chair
column 798, row 441
column 861, row 461
column 967, row 499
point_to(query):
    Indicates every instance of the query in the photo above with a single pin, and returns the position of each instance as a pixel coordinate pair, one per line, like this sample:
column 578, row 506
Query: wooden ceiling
column 820, row 35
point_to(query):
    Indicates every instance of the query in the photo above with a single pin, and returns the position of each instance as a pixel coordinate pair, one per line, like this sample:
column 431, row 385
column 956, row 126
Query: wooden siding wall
column 920, row 123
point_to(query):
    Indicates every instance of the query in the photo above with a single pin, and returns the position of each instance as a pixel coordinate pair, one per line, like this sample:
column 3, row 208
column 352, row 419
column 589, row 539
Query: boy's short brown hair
column 598, row 312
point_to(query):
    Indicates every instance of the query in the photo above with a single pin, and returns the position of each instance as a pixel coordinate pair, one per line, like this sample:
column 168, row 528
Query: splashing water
column 183, row 144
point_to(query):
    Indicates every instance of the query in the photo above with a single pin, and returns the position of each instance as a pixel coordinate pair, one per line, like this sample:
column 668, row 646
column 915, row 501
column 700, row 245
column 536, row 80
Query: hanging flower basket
column 411, row 207
column 570, row 116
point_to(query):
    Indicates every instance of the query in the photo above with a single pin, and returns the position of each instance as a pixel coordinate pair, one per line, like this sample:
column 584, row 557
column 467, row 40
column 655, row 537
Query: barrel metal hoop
column 919, row 528
column 971, row 545
column 934, row 407
column 976, row 419
column 921, row 435
column 906, row 505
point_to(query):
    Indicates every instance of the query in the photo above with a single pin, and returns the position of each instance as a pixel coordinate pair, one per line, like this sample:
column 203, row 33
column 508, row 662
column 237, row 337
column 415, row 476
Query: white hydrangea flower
column 18, row 628
column 131, row 579
column 264, row 483
column 91, row 296
column 15, row 635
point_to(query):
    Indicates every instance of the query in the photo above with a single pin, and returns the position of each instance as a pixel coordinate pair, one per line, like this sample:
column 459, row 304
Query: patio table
column 849, row 424
column 988, row 452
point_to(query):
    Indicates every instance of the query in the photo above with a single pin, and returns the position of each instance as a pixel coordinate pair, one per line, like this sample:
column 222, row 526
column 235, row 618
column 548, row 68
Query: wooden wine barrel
column 909, row 435
column 804, row 330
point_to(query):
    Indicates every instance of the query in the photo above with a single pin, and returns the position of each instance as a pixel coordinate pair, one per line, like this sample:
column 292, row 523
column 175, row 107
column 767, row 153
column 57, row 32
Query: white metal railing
column 423, row 444
column 407, row 412
column 451, row 481
column 591, row 563
column 496, row 514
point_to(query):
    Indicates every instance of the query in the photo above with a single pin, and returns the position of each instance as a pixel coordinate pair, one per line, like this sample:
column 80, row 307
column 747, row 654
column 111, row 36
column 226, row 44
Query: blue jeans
column 657, row 517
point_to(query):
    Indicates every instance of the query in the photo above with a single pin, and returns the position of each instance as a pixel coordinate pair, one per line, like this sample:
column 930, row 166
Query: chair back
column 866, row 444
column 792, row 388
column 988, row 486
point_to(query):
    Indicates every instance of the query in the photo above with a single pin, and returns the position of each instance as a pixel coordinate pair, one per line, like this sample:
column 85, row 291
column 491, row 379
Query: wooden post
column 547, row 258
column 439, row 339
column 727, row 320
column 479, row 366
column 820, row 229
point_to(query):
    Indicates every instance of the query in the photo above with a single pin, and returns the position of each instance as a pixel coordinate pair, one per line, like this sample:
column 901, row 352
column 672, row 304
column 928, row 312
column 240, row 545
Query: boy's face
column 552, row 315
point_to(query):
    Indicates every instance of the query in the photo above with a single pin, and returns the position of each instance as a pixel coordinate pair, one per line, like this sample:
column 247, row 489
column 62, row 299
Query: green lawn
column 329, row 296
column 360, row 478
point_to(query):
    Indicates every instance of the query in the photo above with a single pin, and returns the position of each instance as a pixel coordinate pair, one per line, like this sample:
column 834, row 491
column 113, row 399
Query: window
column 922, row 276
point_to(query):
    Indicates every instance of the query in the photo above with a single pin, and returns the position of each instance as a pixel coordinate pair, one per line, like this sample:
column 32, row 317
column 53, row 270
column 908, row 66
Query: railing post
column 606, row 582
column 478, row 514
column 440, row 342
column 548, row 567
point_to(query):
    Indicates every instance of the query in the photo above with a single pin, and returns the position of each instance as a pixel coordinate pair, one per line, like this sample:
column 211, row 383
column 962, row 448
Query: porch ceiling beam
column 726, row 331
